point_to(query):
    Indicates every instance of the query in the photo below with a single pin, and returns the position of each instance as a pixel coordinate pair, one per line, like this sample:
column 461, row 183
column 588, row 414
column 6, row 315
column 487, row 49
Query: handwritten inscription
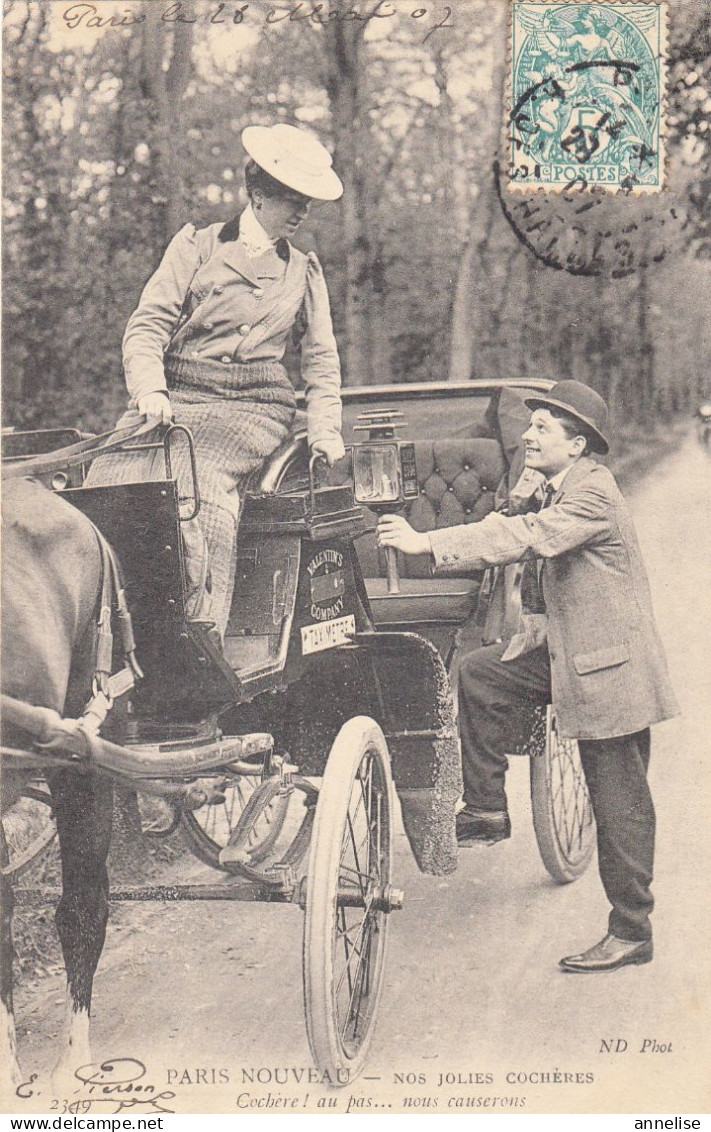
column 225, row 14
column 117, row 1085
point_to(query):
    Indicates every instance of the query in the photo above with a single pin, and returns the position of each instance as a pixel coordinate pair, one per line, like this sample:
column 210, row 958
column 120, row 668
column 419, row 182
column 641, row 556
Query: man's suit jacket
column 609, row 673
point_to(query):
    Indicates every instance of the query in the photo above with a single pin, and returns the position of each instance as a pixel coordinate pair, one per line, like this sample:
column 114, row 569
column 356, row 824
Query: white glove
column 156, row 406
column 331, row 448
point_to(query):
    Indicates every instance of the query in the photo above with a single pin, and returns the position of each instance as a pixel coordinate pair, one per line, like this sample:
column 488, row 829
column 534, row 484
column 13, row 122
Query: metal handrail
column 164, row 443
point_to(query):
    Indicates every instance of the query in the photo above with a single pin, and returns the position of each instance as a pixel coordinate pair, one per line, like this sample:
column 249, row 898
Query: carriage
column 281, row 753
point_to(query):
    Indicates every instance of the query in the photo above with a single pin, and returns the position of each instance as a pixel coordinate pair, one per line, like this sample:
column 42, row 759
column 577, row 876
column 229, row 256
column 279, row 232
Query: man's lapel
column 578, row 472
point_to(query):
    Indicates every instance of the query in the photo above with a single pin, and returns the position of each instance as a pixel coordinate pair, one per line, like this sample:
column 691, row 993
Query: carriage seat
column 457, row 480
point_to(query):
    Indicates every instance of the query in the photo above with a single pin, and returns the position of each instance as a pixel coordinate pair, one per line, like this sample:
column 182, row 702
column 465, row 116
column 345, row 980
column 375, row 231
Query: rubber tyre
column 341, row 996
column 562, row 814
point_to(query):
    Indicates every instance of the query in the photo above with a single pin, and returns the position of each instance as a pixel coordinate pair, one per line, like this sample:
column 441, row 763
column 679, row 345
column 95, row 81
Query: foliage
column 121, row 134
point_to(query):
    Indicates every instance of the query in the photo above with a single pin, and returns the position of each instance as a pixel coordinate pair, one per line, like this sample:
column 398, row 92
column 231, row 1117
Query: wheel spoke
column 358, row 949
column 357, row 870
column 359, row 980
column 563, row 816
column 359, row 876
column 349, row 869
column 362, row 803
column 351, row 948
column 569, row 796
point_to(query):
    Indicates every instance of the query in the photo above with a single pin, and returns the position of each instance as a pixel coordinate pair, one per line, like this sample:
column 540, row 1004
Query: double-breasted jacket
column 209, row 301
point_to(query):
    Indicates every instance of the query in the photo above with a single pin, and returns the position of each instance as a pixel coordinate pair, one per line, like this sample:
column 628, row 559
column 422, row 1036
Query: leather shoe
column 482, row 828
column 610, row 954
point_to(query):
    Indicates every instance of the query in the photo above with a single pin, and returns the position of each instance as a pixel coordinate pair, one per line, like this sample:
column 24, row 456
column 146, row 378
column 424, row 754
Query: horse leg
column 83, row 806
column 10, row 1076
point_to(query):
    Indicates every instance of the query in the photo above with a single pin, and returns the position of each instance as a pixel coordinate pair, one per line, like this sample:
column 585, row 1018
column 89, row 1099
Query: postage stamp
column 586, row 96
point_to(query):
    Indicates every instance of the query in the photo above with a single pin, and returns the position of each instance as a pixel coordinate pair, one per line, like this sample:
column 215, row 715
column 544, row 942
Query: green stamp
column 586, row 96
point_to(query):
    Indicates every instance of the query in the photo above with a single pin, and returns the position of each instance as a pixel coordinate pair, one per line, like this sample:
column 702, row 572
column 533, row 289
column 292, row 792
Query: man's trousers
column 497, row 706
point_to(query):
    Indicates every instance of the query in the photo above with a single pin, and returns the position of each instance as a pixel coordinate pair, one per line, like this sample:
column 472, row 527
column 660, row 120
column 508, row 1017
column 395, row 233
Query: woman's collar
column 247, row 226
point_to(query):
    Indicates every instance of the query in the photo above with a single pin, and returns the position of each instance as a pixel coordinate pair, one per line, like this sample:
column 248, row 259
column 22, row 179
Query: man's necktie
column 531, row 592
column 548, row 493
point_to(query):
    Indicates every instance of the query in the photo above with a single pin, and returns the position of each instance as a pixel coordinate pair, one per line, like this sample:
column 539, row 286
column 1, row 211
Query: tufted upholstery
column 457, row 479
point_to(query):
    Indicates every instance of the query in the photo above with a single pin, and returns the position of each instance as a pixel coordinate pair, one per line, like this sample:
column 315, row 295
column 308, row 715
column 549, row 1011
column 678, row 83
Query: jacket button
column 208, row 325
column 218, row 289
column 243, row 329
column 466, row 467
column 226, row 359
column 258, row 294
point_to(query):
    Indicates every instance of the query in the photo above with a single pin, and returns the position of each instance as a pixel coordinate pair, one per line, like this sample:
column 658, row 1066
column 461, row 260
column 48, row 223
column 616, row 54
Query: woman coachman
column 204, row 346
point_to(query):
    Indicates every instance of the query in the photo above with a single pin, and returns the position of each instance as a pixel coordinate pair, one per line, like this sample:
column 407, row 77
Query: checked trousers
column 497, row 705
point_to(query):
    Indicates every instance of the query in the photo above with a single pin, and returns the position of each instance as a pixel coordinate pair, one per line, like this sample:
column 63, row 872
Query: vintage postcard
column 344, row 487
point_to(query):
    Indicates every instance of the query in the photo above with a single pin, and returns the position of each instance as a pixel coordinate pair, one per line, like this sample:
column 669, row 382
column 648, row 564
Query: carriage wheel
column 29, row 828
column 209, row 829
column 348, row 898
column 562, row 814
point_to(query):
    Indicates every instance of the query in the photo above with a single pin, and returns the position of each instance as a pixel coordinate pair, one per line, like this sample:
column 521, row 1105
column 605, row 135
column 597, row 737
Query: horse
column 51, row 593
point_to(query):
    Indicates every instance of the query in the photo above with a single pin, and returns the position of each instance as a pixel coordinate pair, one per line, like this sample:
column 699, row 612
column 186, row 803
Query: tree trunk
column 461, row 345
column 344, row 81
column 164, row 91
column 470, row 297
column 647, row 406
column 457, row 194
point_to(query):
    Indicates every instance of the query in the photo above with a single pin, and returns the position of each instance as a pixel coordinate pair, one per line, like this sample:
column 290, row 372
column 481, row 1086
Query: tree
column 165, row 71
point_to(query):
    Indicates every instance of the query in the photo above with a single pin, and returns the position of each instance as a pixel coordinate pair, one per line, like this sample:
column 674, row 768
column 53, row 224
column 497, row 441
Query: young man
column 591, row 647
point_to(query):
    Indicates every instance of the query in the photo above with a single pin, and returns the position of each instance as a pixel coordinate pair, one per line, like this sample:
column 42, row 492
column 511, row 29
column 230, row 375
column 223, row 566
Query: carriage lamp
column 384, row 473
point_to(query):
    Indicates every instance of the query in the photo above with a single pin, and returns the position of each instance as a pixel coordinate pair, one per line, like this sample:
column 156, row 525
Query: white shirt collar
column 556, row 481
column 252, row 236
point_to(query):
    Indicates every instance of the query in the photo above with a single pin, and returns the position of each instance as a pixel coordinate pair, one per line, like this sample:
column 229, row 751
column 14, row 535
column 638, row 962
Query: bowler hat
column 295, row 158
column 582, row 403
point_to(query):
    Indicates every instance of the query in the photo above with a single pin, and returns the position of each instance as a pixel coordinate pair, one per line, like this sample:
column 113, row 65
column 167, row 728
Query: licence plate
column 326, row 634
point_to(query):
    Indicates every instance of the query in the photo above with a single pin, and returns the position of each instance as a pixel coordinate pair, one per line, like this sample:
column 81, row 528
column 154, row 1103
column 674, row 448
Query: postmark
column 586, row 96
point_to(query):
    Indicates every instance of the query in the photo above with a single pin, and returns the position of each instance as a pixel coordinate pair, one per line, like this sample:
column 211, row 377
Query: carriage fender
column 417, row 716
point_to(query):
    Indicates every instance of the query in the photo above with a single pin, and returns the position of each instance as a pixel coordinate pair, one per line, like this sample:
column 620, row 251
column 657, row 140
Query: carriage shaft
column 171, row 893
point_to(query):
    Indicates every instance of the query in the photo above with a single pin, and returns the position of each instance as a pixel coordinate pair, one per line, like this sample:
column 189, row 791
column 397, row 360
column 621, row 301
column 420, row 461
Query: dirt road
column 476, row 1015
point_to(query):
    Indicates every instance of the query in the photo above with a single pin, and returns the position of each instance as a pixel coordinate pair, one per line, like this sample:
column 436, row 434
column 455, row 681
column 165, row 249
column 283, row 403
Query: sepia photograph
column 356, row 531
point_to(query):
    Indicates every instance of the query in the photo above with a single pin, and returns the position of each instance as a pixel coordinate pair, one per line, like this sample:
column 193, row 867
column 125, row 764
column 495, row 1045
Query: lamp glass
column 376, row 473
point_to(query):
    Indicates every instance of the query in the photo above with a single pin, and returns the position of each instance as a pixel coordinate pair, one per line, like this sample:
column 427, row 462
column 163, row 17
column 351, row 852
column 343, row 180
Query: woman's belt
column 260, row 382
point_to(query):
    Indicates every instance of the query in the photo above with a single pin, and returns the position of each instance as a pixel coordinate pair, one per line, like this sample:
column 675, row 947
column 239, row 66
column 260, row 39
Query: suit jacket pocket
column 586, row 662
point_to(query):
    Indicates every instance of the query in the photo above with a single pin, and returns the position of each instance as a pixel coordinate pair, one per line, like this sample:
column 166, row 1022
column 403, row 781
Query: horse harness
column 51, row 732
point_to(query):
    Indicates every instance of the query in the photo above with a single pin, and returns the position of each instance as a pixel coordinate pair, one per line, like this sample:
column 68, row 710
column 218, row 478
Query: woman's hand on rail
column 331, row 448
column 156, row 406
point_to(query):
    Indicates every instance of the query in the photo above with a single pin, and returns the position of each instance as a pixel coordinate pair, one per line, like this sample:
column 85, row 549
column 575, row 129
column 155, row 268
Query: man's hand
column 331, row 448
column 395, row 531
column 156, row 406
